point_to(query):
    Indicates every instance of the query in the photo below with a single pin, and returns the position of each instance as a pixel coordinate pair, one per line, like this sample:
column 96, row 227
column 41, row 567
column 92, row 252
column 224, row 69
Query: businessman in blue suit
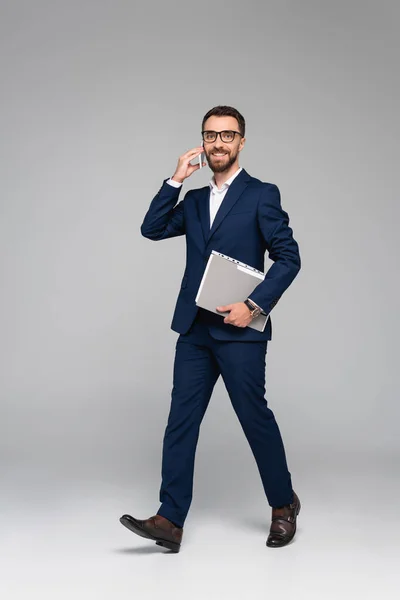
column 242, row 217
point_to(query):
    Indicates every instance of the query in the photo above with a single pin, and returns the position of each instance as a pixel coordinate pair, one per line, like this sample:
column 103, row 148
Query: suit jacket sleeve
column 282, row 248
column 163, row 219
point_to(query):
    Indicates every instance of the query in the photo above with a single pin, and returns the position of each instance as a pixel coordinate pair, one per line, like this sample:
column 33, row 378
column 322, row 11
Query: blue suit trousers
column 199, row 360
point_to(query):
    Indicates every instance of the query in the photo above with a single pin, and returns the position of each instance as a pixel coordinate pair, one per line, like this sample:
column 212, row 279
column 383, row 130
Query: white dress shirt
column 216, row 196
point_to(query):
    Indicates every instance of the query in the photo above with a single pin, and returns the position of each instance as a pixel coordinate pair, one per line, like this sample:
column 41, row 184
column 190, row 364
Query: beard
column 218, row 165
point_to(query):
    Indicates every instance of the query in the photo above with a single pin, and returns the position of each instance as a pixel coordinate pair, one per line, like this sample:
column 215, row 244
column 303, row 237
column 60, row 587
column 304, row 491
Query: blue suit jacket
column 249, row 221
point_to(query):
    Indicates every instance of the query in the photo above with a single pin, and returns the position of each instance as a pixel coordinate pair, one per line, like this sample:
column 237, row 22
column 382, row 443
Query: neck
column 220, row 178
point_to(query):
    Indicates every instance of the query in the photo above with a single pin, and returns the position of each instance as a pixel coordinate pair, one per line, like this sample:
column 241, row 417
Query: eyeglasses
column 226, row 136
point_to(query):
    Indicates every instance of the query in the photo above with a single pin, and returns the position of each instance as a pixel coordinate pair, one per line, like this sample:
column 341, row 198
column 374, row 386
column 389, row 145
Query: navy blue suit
column 249, row 222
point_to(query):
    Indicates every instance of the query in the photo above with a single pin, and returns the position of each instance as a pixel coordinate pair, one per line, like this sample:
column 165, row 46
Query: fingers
column 228, row 322
column 194, row 167
column 194, row 152
column 224, row 308
column 190, row 155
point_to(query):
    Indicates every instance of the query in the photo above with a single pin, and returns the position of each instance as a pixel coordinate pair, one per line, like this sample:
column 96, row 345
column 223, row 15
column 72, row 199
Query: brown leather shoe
column 283, row 523
column 156, row 528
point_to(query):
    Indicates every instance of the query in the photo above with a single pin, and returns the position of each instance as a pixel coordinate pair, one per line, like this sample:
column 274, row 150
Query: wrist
column 250, row 312
column 253, row 308
column 177, row 179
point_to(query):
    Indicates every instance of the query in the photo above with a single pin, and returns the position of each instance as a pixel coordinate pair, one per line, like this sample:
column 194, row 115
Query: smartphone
column 202, row 158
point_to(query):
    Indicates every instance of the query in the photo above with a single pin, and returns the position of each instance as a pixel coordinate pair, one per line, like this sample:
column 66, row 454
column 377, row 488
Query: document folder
column 226, row 281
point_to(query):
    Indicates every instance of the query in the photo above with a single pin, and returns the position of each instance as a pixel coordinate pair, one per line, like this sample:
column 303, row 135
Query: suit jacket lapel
column 203, row 206
column 235, row 190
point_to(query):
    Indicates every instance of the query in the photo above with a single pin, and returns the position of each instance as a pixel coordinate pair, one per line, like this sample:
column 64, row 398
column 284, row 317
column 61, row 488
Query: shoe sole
column 286, row 542
column 135, row 528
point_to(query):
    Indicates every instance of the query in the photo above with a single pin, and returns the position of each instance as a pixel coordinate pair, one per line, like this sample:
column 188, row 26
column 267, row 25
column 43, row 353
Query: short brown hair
column 226, row 111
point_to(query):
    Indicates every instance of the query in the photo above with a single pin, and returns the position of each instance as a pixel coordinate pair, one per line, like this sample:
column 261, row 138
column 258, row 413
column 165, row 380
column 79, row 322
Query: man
column 239, row 216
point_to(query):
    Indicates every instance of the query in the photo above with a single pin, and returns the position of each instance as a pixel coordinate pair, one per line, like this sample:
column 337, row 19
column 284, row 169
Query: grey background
column 99, row 99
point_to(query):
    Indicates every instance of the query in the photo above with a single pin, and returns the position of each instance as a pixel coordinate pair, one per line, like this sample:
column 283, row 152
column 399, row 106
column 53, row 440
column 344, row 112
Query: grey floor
column 61, row 538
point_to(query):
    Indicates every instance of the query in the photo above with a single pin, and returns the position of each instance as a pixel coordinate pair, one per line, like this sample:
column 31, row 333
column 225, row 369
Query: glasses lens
column 227, row 136
column 209, row 136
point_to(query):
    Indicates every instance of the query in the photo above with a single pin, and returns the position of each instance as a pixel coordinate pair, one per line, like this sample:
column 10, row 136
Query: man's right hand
column 184, row 169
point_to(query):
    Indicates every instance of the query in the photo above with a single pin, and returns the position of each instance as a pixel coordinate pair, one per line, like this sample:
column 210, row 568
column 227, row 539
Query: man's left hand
column 239, row 314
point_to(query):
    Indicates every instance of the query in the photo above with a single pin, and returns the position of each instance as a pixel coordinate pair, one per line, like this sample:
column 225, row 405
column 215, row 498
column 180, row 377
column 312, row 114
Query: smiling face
column 229, row 159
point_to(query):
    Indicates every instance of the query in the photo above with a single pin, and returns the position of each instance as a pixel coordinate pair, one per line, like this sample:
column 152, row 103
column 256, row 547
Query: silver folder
column 226, row 281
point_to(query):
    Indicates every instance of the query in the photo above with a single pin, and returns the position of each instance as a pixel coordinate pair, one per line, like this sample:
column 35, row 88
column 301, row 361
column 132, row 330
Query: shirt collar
column 226, row 184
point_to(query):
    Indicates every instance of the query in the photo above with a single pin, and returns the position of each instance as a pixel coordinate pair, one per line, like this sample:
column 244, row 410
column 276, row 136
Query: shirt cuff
column 173, row 182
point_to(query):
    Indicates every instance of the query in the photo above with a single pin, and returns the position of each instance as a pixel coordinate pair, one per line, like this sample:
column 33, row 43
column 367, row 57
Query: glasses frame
column 218, row 133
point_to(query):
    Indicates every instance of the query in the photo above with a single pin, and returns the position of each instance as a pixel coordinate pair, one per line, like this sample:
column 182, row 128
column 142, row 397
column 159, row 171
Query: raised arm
column 164, row 220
